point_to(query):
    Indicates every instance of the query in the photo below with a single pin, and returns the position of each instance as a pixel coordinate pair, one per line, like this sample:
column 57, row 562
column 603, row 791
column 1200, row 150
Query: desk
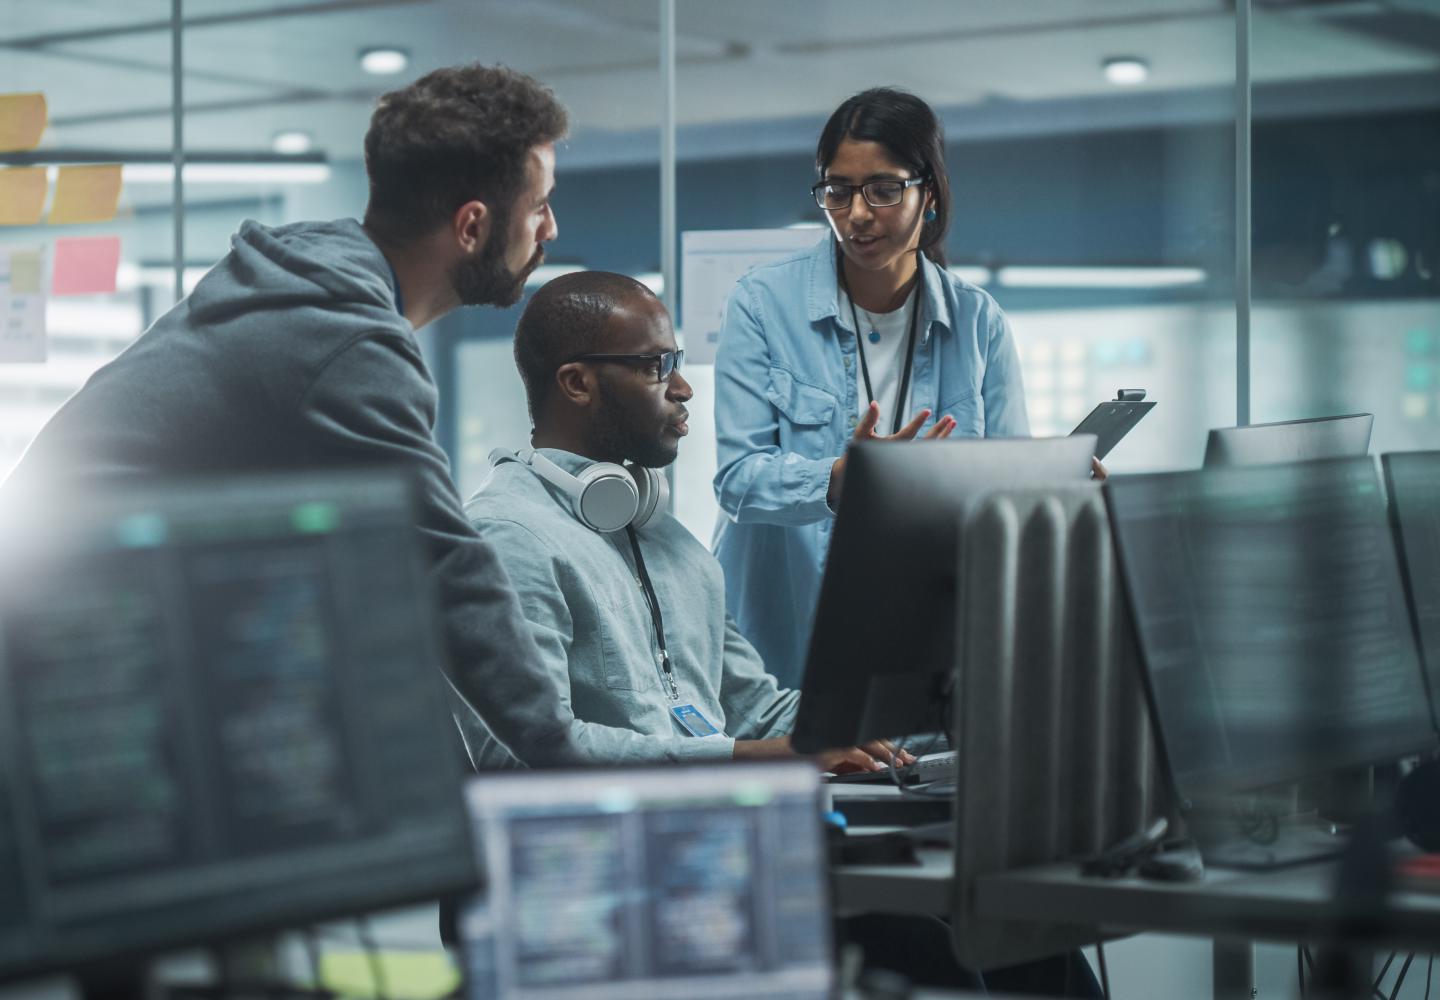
column 1233, row 908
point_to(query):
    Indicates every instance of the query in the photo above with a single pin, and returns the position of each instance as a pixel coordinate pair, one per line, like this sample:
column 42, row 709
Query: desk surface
column 1282, row 905
column 1287, row 904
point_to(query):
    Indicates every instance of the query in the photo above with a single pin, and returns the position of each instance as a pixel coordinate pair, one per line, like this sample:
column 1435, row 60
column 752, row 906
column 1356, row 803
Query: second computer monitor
column 1345, row 436
column 1271, row 619
column 1413, row 482
column 882, row 646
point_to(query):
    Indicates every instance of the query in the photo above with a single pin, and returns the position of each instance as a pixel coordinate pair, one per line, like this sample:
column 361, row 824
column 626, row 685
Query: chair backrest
column 1057, row 758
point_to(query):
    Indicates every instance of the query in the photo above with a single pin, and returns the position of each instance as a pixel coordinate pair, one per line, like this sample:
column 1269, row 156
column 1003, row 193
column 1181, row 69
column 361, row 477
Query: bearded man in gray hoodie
column 298, row 351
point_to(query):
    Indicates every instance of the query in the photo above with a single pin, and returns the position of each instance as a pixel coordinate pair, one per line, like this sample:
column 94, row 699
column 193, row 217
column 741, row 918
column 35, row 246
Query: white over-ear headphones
column 606, row 496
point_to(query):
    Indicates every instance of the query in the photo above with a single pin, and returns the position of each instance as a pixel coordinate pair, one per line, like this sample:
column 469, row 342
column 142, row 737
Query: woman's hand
column 865, row 431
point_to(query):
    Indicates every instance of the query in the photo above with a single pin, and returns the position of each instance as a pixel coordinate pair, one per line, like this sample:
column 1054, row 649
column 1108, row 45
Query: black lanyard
column 655, row 616
column 909, row 344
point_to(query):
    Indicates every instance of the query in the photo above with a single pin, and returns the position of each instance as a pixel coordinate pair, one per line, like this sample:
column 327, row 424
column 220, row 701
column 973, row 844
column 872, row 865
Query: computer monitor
column 693, row 881
column 1271, row 621
column 221, row 712
column 882, row 645
column 1290, row 441
column 1412, row 480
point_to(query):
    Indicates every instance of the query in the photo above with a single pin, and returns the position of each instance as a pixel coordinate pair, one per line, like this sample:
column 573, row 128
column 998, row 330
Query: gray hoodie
column 292, row 354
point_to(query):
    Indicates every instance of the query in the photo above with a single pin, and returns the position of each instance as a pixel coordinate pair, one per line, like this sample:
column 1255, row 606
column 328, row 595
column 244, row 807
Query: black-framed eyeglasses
column 661, row 365
column 877, row 194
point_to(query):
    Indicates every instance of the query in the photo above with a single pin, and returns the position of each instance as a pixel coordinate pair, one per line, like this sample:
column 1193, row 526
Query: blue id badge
column 695, row 724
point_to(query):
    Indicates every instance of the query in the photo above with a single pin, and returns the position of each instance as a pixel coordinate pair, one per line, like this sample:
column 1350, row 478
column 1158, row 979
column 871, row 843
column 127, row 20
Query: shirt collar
column 567, row 460
column 824, row 295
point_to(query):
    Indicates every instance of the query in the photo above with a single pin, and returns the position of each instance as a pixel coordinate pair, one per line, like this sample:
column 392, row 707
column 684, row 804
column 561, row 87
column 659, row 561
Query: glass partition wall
column 1346, row 215
column 1092, row 150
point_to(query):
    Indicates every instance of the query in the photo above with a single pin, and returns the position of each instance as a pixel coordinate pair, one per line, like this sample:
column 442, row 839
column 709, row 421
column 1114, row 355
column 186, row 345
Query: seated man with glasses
column 627, row 607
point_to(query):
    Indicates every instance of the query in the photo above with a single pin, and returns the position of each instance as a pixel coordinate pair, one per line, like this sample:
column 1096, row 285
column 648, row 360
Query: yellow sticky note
column 22, row 121
column 86, row 194
column 24, row 272
column 22, row 195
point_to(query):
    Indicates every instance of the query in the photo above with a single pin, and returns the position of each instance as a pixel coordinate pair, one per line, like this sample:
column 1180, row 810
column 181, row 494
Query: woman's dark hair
column 910, row 133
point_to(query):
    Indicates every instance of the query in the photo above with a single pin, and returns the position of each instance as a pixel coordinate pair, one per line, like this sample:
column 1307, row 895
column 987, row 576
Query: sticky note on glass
column 22, row 195
column 22, row 121
column 25, row 270
column 22, row 307
column 86, row 194
column 85, row 266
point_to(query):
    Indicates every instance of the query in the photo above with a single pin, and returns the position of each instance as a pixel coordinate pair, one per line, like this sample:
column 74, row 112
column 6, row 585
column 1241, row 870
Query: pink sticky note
column 86, row 265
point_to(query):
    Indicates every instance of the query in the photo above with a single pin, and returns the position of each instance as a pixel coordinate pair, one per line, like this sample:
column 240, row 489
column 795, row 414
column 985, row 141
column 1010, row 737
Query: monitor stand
column 1264, row 838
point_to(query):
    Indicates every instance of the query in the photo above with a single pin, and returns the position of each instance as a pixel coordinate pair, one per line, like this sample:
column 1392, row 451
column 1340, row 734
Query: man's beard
column 484, row 280
column 614, row 435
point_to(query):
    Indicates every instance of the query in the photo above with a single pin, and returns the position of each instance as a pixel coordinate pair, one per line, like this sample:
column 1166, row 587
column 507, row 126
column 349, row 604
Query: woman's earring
column 931, row 215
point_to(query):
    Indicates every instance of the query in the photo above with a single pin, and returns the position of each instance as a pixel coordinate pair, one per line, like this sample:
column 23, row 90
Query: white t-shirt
column 884, row 337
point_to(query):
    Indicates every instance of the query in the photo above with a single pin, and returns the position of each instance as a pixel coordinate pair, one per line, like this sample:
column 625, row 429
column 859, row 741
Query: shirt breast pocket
column 805, row 413
column 969, row 413
column 627, row 642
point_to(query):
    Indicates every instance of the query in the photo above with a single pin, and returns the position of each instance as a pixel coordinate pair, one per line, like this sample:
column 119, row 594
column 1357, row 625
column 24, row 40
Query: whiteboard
column 711, row 261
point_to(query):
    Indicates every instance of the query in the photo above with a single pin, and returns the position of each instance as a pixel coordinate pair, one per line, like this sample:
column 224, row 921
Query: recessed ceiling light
column 384, row 62
column 291, row 142
column 1126, row 71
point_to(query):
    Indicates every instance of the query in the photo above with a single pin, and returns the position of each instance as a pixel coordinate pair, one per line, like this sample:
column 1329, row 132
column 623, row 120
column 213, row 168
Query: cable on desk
column 1104, row 972
column 1395, row 992
column 372, row 954
column 1429, row 968
column 918, row 793
column 1300, row 966
column 1257, row 824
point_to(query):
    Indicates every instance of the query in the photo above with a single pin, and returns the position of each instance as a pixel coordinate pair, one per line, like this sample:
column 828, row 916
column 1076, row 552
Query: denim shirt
column 787, row 403
column 581, row 599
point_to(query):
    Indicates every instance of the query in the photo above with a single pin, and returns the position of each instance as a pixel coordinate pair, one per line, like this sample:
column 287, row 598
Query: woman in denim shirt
column 794, row 384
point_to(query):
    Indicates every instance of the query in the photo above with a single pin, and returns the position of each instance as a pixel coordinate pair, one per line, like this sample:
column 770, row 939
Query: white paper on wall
column 711, row 261
column 22, row 304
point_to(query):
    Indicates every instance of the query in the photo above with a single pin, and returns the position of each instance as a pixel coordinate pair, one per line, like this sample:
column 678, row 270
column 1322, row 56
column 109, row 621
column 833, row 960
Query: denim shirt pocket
column 806, row 411
column 627, row 646
column 967, row 407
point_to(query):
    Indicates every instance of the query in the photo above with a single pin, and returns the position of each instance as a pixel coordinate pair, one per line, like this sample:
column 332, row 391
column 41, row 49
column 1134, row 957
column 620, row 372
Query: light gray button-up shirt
column 582, row 599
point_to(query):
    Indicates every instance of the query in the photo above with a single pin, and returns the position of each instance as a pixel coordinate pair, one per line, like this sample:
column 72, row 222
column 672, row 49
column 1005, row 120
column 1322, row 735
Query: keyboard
column 931, row 767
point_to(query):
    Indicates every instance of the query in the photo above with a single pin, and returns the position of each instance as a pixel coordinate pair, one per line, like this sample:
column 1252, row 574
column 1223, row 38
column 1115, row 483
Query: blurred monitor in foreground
column 220, row 712
column 654, row 882
column 1271, row 619
column 1412, row 480
column 1290, row 441
column 883, row 644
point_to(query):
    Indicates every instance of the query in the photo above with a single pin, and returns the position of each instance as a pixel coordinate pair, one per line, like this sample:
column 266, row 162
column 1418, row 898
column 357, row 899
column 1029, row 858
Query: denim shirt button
column 849, row 361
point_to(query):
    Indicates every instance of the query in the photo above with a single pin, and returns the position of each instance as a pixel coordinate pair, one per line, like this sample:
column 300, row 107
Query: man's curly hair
column 454, row 135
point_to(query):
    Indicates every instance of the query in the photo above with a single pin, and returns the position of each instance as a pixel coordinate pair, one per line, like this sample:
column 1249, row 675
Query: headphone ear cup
column 608, row 498
column 654, row 494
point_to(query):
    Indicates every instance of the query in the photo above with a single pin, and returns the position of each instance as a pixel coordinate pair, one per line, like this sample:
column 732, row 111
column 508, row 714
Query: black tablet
column 1112, row 420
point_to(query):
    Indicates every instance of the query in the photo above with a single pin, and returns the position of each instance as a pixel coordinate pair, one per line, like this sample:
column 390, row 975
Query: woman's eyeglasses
column 835, row 197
